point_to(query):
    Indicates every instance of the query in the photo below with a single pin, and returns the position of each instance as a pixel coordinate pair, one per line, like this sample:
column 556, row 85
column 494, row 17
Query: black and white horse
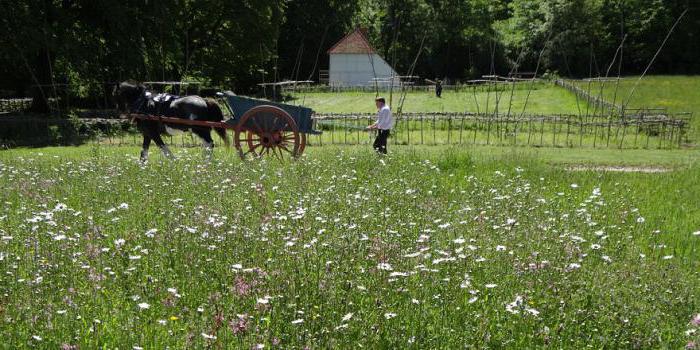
column 134, row 98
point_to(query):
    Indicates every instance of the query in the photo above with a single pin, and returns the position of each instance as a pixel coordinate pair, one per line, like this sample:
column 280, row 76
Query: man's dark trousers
column 380, row 142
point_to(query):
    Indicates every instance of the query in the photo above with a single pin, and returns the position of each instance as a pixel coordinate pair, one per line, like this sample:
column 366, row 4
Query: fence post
column 408, row 129
column 345, row 131
column 421, row 129
column 554, row 131
column 396, row 127
column 607, row 143
column 636, row 136
column 461, row 128
column 488, row 128
column 542, row 131
column 449, row 127
column 661, row 137
column 595, row 132
column 624, row 131
column 358, row 121
column 568, row 129
column 434, row 130
column 332, row 132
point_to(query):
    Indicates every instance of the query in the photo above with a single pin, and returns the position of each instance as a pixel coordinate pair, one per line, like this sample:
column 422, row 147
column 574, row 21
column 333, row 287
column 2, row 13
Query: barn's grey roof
column 354, row 42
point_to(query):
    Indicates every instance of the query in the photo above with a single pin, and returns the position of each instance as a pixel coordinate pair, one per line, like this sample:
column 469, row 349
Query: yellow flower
column 173, row 318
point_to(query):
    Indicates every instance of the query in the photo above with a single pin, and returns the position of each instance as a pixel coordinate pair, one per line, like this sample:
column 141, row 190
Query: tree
column 456, row 35
column 87, row 42
column 558, row 34
column 310, row 28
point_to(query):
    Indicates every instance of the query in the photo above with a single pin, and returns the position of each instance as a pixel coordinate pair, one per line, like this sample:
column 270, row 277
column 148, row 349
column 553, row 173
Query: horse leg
column 144, row 148
column 163, row 147
column 207, row 141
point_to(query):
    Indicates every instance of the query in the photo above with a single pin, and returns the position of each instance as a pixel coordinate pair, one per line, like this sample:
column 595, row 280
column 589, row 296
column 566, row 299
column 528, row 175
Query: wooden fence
column 631, row 131
column 593, row 131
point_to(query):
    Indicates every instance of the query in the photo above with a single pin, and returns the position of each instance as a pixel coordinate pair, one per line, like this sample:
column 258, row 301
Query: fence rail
column 477, row 84
column 595, row 101
column 10, row 105
column 659, row 131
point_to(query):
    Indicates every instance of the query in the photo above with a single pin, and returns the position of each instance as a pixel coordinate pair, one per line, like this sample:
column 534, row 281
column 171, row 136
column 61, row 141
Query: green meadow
column 537, row 98
column 430, row 247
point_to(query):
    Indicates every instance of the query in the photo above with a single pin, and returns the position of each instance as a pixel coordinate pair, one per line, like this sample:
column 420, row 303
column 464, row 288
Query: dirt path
column 620, row 169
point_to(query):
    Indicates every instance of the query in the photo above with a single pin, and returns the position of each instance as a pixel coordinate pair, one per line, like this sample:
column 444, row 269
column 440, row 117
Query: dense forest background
column 85, row 44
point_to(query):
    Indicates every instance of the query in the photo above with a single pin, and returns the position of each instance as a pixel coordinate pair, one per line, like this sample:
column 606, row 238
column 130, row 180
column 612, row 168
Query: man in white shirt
column 383, row 125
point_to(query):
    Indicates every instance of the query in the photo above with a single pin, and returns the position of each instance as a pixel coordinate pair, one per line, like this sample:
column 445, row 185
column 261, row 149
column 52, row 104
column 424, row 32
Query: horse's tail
column 215, row 113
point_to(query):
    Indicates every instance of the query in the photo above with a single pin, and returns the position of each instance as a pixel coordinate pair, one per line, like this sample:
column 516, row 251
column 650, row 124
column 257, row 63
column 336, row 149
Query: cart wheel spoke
column 284, row 147
column 251, row 150
column 288, row 137
column 279, row 155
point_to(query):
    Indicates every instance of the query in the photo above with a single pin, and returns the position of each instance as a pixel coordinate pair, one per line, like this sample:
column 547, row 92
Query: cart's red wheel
column 302, row 144
column 267, row 130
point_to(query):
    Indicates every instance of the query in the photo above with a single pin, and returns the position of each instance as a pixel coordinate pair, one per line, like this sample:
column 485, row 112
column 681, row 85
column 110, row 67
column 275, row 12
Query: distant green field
column 544, row 98
column 675, row 93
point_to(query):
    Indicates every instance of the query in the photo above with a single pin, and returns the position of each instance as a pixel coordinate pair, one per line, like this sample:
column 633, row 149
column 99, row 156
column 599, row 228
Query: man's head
column 380, row 102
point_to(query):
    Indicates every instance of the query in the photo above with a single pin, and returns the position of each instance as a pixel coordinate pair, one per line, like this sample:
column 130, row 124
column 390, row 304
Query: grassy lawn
column 544, row 99
column 431, row 247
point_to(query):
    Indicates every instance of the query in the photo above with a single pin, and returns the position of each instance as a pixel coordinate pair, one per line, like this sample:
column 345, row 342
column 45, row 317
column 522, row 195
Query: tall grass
column 342, row 249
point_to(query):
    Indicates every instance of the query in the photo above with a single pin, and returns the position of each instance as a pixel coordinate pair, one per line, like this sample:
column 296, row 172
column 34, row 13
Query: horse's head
column 127, row 95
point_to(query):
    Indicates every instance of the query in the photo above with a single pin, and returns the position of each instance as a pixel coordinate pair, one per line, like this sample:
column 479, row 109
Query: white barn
column 353, row 62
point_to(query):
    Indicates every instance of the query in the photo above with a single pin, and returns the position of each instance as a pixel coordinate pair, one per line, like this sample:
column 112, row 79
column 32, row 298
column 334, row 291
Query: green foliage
column 310, row 28
column 236, row 44
column 85, row 43
column 552, row 34
column 455, row 36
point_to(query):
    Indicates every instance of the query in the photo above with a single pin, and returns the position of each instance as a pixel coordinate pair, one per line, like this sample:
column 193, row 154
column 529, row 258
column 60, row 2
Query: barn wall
column 356, row 69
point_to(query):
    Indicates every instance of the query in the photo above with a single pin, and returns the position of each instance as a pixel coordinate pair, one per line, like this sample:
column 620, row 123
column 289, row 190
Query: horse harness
column 158, row 105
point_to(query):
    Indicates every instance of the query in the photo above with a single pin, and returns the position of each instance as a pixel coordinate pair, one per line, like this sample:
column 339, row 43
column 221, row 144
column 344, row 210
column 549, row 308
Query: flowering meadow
column 343, row 249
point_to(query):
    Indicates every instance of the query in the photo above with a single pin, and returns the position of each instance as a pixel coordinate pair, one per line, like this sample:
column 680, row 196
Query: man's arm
column 376, row 124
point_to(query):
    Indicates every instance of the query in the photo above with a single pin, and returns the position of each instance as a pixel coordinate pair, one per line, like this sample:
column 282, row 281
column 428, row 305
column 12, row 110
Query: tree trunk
column 40, row 93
